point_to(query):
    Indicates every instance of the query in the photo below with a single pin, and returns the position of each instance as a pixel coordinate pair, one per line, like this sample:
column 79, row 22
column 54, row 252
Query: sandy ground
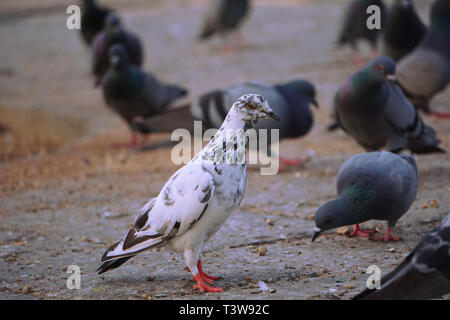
column 65, row 203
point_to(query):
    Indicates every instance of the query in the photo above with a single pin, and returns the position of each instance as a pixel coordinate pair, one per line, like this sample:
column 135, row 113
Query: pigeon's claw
column 361, row 232
column 202, row 286
column 204, row 275
column 387, row 237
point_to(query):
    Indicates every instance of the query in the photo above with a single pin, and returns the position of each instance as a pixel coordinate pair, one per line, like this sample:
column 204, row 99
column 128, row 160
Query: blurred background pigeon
column 223, row 17
column 372, row 109
column 92, row 20
column 376, row 185
column 354, row 26
column 424, row 274
column 290, row 100
column 112, row 34
column 426, row 71
column 132, row 93
column 403, row 30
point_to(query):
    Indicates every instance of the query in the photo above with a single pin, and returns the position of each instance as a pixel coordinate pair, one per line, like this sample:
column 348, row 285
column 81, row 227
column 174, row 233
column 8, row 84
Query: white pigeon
column 198, row 198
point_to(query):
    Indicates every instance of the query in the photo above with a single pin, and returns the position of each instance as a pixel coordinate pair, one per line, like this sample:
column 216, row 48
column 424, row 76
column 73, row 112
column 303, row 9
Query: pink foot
column 361, row 232
column 133, row 141
column 387, row 237
column 202, row 286
column 286, row 163
column 439, row 115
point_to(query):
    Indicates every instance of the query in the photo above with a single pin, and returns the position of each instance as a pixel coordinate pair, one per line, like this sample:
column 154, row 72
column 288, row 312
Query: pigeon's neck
column 233, row 121
column 360, row 201
column 229, row 144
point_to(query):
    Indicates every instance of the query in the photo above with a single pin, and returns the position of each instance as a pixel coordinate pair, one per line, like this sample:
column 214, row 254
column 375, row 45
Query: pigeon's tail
column 426, row 141
column 112, row 264
column 205, row 34
column 176, row 92
column 166, row 121
column 333, row 126
column 132, row 244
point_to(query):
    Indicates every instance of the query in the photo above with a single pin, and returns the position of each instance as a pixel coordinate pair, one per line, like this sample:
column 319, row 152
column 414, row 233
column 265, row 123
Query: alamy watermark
column 374, row 280
column 228, row 147
column 74, row 280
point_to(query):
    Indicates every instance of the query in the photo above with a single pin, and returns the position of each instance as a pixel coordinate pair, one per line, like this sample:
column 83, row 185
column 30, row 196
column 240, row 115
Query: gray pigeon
column 290, row 100
column 377, row 185
column 223, row 16
column 132, row 93
column 424, row 274
column 354, row 25
column 112, row 34
column 426, row 71
column 403, row 30
column 372, row 109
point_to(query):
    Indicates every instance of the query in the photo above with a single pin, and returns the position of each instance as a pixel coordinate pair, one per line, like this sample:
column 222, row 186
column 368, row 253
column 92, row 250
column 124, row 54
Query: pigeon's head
column 330, row 215
column 117, row 55
column 382, row 68
column 253, row 107
column 112, row 22
column 302, row 88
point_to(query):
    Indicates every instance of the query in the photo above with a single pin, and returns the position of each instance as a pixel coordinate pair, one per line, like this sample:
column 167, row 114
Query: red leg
column 133, row 141
column 361, row 232
column 204, row 275
column 387, row 237
column 439, row 115
column 286, row 163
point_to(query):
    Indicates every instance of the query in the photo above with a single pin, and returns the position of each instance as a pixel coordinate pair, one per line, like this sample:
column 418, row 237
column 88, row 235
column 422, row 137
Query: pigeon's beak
column 316, row 234
column 391, row 78
column 272, row 115
column 314, row 102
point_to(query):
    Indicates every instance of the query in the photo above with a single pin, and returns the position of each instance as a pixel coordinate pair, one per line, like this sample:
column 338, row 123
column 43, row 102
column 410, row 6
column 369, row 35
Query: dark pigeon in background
column 354, row 25
column 133, row 93
column 290, row 101
column 223, row 17
column 403, row 30
column 424, row 274
column 377, row 185
column 114, row 33
column 426, row 71
column 92, row 20
column 372, row 109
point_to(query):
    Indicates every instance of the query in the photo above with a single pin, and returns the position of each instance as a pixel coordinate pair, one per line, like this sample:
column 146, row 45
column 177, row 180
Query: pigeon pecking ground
column 66, row 207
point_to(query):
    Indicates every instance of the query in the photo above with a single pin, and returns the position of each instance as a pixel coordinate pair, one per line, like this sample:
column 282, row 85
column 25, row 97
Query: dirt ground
column 69, row 188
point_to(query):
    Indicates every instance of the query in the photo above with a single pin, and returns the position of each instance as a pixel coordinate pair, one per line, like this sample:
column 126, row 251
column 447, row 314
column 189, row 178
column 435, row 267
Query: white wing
column 180, row 204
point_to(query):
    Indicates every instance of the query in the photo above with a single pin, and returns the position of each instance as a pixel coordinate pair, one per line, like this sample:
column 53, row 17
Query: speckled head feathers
column 253, row 107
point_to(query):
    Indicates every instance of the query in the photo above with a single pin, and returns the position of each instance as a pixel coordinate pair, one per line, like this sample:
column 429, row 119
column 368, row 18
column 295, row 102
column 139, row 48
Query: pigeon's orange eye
column 251, row 106
column 380, row 67
column 329, row 220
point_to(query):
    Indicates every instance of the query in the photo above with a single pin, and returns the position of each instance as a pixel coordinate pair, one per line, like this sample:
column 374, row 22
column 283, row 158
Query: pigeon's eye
column 380, row 67
column 329, row 220
column 251, row 106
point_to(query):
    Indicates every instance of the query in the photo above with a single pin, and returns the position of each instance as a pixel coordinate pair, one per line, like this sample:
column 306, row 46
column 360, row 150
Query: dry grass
column 26, row 132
